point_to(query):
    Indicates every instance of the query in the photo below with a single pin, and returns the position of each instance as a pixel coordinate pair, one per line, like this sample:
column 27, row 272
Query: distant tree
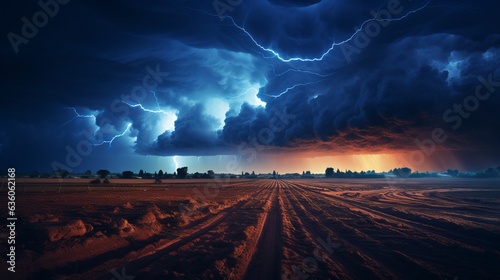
column 211, row 174
column 308, row 172
column 127, row 174
column 303, row 173
column 160, row 174
column 182, row 172
column 274, row 173
column 61, row 173
column 452, row 172
column 87, row 173
column 329, row 172
column 253, row 173
column 103, row 173
column 402, row 172
column 141, row 173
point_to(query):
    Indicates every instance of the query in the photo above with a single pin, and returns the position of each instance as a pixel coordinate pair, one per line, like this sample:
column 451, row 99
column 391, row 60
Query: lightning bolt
column 140, row 106
column 175, row 161
column 291, row 88
column 110, row 142
column 77, row 116
column 333, row 45
column 303, row 72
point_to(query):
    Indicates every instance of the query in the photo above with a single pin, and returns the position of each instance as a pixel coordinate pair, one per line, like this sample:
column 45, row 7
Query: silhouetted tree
column 160, row 174
column 211, row 174
column 127, row 174
column 401, row 172
column 452, row 172
column 329, row 172
column 61, row 173
column 274, row 173
column 182, row 172
column 141, row 173
column 103, row 173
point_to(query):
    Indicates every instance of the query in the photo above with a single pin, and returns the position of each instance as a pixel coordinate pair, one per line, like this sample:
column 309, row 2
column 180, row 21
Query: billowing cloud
column 175, row 78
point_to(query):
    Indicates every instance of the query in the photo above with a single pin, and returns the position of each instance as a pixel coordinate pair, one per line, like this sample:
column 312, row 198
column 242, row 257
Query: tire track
column 266, row 261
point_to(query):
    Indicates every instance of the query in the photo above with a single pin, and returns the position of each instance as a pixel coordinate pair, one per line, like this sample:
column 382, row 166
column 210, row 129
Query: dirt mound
column 127, row 205
column 125, row 228
column 72, row 229
column 49, row 218
column 149, row 224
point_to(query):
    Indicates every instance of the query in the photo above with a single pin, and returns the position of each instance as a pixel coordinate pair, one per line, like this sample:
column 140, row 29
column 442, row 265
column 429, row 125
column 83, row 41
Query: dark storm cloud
column 92, row 55
column 194, row 131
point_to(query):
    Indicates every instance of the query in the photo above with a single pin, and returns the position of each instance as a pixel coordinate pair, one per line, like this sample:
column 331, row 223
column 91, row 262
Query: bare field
column 257, row 229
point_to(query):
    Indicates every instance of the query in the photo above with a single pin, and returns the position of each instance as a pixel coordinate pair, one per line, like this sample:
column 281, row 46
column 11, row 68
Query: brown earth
column 256, row 229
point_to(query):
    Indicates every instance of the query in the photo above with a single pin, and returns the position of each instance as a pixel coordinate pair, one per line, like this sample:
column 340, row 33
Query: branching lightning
column 92, row 116
column 110, row 142
column 292, row 87
column 303, row 72
column 140, row 106
column 333, row 45
column 77, row 116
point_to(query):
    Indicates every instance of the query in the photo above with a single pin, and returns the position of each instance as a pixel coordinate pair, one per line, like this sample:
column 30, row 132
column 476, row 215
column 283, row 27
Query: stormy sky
column 236, row 85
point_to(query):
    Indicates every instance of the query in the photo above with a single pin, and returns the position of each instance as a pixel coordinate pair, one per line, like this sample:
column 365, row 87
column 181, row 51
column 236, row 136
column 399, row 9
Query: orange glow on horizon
column 361, row 162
